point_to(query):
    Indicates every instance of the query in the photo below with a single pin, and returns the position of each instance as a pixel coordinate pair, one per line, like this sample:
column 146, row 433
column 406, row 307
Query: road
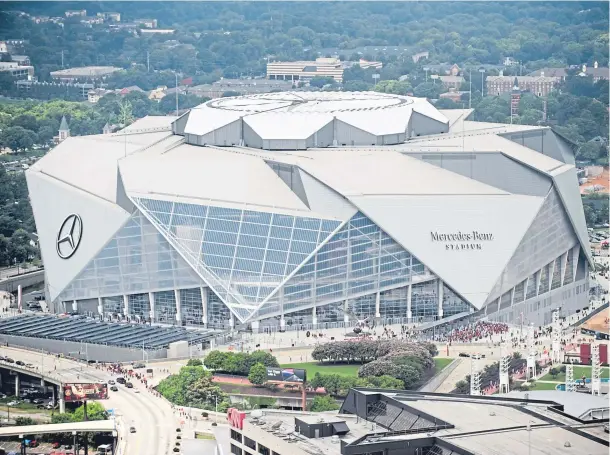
column 152, row 417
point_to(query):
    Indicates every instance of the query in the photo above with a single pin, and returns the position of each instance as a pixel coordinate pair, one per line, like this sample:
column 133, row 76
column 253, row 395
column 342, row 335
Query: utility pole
column 470, row 90
column 147, row 62
column 176, row 74
column 62, row 58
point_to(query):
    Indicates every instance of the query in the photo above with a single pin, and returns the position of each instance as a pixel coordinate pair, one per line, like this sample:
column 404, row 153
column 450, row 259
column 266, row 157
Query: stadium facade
column 289, row 210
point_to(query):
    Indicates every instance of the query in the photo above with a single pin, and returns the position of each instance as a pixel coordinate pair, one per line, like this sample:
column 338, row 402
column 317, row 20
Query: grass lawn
column 539, row 386
column 579, row 372
column 440, row 363
column 314, row 367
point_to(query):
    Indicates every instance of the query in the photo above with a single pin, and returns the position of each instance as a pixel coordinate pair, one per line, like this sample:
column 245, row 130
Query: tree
column 258, row 374
column 61, row 418
column 95, row 411
column 194, row 363
column 323, row 403
column 18, row 138
column 19, row 247
column 22, row 421
column 215, row 359
column 554, row 372
column 321, row 81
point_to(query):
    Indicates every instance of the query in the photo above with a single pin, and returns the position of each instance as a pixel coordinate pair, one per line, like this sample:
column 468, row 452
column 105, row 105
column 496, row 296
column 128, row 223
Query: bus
column 104, row 449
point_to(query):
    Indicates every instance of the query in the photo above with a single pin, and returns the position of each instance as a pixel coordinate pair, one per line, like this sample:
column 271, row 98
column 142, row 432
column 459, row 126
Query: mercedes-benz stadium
column 297, row 209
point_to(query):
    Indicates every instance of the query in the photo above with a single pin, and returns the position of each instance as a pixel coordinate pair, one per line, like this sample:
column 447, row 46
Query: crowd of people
column 478, row 331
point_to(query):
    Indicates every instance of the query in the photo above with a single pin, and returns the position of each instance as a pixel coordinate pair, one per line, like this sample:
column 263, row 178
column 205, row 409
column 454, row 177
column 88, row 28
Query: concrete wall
column 97, row 352
column 26, row 280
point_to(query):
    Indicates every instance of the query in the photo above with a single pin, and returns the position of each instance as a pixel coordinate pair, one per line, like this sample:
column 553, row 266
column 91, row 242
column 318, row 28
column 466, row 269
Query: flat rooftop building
column 83, row 73
column 411, row 423
column 305, row 70
column 311, row 209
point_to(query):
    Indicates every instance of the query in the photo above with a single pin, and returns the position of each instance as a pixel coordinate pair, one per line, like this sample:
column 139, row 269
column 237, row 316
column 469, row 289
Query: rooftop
column 91, row 71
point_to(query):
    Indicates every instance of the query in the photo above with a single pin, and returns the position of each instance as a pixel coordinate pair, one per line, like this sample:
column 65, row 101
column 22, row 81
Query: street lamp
column 426, row 69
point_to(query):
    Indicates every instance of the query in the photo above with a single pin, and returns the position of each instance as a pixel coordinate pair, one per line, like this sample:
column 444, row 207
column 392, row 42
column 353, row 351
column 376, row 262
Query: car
column 29, row 365
column 114, row 388
column 34, row 443
column 41, row 406
column 27, row 400
column 67, row 446
column 120, row 380
column 136, row 391
column 37, row 401
column 12, row 403
column 132, row 429
column 463, row 354
column 129, row 385
column 138, row 365
column 111, row 382
column 9, row 360
column 20, row 363
column 56, row 445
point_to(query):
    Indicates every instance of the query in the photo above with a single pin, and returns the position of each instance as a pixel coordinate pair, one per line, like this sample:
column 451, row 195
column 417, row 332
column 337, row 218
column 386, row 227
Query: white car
column 13, row 403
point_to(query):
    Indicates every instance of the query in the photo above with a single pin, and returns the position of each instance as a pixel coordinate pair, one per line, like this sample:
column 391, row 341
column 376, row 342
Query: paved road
column 151, row 416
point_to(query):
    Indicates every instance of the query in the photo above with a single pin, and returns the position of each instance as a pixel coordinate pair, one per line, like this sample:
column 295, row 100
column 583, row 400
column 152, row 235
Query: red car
column 34, row 443
column 56, row 445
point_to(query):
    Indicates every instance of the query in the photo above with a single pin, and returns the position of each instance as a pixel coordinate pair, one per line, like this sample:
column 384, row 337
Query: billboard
column 89, row 391
column 286, row 374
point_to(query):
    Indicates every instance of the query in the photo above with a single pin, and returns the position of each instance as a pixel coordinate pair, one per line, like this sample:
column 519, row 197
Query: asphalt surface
column 152, row 417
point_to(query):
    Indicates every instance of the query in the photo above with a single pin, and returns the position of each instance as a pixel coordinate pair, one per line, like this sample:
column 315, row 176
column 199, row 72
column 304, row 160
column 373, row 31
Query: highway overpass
column 94, row 426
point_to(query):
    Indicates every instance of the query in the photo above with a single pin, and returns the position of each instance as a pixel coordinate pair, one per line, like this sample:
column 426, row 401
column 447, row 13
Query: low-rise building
column 77, row 91
column 306, row 70
column 452, row 81
column 19, row 72
column 365, row 64
column 85, row 73
column 400, row 422
column 21, row 60
column 537, row 85
column 550, row 72
column 453, row 95
column 90, row 21
column 76, row 13
column 93, row 96
column 148, row 23
column 157, row 31
column 113, row 16
column 598, row 73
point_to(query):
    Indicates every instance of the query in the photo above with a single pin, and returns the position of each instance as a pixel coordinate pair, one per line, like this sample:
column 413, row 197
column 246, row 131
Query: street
column 152, row 417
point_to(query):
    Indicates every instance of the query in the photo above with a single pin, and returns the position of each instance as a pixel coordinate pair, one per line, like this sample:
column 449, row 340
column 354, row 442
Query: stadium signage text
column 459, row 241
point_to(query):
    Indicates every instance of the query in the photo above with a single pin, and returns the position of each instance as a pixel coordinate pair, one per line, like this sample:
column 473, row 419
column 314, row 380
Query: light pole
column 426, row 69
column 470, row 89
column 482, row 71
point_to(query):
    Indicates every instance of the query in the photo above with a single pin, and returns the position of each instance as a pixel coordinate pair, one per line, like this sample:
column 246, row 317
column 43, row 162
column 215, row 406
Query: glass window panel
column 281, row 232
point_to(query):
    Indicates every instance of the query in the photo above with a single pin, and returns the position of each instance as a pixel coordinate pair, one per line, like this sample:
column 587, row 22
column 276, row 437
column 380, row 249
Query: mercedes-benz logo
column 69, row 236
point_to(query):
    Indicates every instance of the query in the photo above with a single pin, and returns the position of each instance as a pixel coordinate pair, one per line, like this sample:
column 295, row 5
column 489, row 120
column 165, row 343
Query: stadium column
column 282, row 320
column 409, row 299
column 377, row 304
column 232, row 320
column 178, row 306
column 204, row 305
column 345, row 311
column 74, row 306
column 125, row 304
column 151, row 301
column 17, row 385
column 439, row 293
column 100, row 306
column 314, row 317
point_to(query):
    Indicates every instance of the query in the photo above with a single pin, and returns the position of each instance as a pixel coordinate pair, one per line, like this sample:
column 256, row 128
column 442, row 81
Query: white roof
column 203, row 119
column 208, row 174
column 292, row 125
column 151, row 121
column 371, row 172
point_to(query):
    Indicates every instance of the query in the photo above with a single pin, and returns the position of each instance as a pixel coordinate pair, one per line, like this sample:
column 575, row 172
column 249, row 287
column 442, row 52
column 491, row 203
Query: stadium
column 312, row 209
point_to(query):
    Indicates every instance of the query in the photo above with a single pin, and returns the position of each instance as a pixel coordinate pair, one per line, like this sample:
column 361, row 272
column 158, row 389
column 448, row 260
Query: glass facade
column 393, row 303
column 544, row 279
column 112, row 304
column 333, row 312
column 424, row 300
column 191, row 307
column 531, row 285
column 452, row 304
column 165, row 307
column 359, row 259
column 362, row 307
column 218, row 313
column 243, row 254
column 519, row 292
column 557, row 273
column 568, row 276
column 139, row 305
column 137, row 259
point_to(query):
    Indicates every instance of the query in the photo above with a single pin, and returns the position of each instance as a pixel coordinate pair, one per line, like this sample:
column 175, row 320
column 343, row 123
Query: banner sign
column 286, row 374
column 236, row 418
column 89, row 391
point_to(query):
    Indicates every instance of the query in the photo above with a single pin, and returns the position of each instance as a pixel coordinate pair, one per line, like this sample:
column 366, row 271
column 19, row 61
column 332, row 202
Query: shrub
column 194, row 363
column 554, row 372
column 323, row 403
column 258, row 374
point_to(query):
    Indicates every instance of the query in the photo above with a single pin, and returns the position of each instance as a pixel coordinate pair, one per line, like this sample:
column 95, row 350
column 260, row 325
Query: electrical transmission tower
column 556, row 339
column 531, row 354
column 596, row 370
column 504, row 367
column 475, row 375
column 570, row 384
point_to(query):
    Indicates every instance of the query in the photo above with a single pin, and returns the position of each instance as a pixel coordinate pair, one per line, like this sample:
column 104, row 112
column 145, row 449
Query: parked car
column 132, row 429
column 37, row 401
column 111, row 382
column 9, row 360
column 138, row 365
column 114, row 388
column 120, row 380
column 129, row 385
column 20, row 363
column 12, row 403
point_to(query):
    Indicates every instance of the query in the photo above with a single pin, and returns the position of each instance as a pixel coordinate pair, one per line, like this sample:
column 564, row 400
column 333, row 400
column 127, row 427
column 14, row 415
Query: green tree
column 19, row 247
column 61, row 418
column 258, row 374
column 95, row 411
column 323, row 403
column 554, row 372
column 18, row 138
column 321, row 81
column 215, row 359
column 22, row 421
column 194, row 363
